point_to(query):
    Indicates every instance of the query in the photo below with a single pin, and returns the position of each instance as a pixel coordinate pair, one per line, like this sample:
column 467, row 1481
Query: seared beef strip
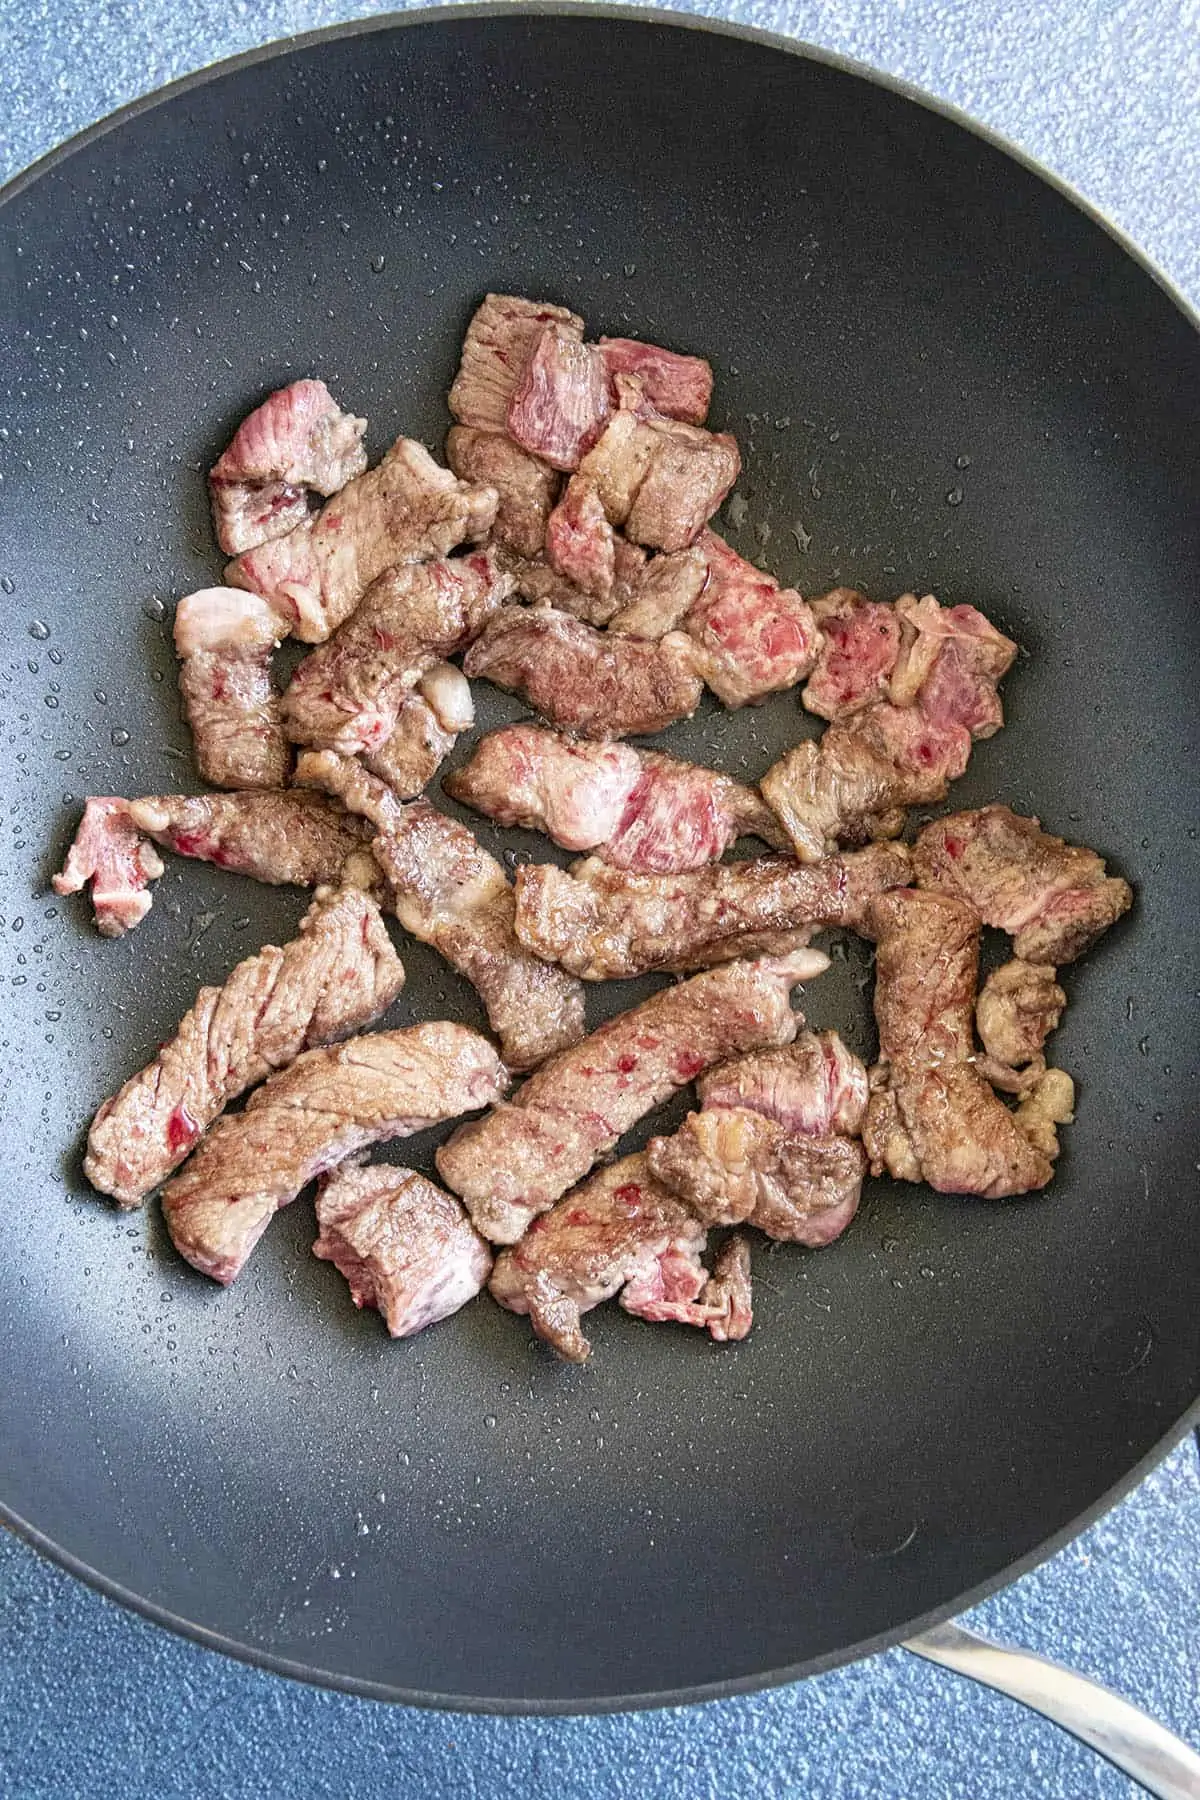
column 638, row 809
column 539, row 582
column 299, row 440
column 447, row 891
column 515, row 1163
column 581, row 545
column 1019, row 1006
column 679, row 387
column 1053, row 898
column 110, row 852
column 527, row 486
column 561, row 401
column 773, row 1144
column 308, row 1118
column 429, row 722
column 661, row 594
column 224, row 638
column 405, row 1246
column 405, row 510
column 656, row 478
column 499, row 342
column 859, row 646
column 346, row 696
column 621, row 1232
column 283, row 838
column 585, row 680
column 604, row 923
column 932, row 1116
column 855, row 783
column 338, row 975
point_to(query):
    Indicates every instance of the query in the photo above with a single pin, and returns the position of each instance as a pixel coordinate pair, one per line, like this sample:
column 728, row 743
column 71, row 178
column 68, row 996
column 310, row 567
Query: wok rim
column 256, row 1656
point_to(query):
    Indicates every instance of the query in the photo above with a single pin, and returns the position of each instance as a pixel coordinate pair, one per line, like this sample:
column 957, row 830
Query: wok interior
column 942, row 377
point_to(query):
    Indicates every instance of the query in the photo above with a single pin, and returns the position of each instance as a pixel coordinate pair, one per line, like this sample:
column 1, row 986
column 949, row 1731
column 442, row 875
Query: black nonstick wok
column 944, row 375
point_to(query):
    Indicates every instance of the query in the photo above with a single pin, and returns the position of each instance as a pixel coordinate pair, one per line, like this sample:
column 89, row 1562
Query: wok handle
column 1148, row 1753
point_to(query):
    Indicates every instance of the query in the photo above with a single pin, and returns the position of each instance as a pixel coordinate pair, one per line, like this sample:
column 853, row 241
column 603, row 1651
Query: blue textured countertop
column 94, row 1701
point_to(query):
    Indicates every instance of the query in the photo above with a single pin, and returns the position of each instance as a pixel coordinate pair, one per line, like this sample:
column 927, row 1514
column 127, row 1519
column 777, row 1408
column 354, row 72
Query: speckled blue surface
column 94, row 1701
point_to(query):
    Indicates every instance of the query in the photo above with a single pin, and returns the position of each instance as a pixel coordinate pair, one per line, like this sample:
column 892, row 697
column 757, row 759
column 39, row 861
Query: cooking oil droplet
column 378, row 264
column 39, row 629
column 962, row 462
column 954, row 497
column 154, row 608
column 119, row 738
column 8, row 584
column 100, row 696
column 489, row 1420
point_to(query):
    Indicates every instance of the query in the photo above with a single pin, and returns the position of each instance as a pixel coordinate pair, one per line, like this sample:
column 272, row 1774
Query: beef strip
column 298, row 441
column 859, row 646
column 309, row 1117
column 109, row 851
column 1053, row 898
column 516, row 1163
column 283, row 838
column 1019, row 1005
column 347, row 694
column 405, row 510
column 932, row 1116
column 679, row 387
column 583, row 680
column 224, row 638
column 774, row 1142
column 527, row 486
column 447, row 891
column 604, row 924
column 658, row 479
column 499, row 342
column 428, row 724
column 622, row 1233
column 638, row 809
column 561, row 401
column 338, row 975
column 662, row 593
column 405, row 1246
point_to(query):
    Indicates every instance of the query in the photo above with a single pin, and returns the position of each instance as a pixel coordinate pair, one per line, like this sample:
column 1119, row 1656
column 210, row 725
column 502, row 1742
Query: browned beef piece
column 405, row 1246
column 346, row 696
column 516, row 1163
column 527, row 486
column 752, row 637
column 308, row 1118
column 1053, row 898
column 298, row 441
column 679, row 387
column 581, row 545
column 224, row 638
column 656, row 478
column 539, row 582
column 499, row 342
column 109, row 852
column 284, row 838
column 1019, row 1005
column 447, row 891
column 638, row 809
column 932, row 1116
column 773, row 1144
column 561, row 400
column 859, row 646
column 621, row 1233
column 604, row 923
column 663, row 592
column 584, row 680
column 426, row 729
column 855, row 783
column 338, row 975
column 405, row 510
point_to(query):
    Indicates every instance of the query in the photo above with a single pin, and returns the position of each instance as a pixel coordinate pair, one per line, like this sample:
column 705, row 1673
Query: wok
column 944, row 374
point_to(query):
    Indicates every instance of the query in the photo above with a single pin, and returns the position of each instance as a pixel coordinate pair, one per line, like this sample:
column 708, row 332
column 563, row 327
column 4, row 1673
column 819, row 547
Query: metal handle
column 1146, row 1751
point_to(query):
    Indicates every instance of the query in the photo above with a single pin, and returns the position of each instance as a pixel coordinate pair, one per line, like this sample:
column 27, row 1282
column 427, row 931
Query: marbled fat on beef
column 224, row 638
